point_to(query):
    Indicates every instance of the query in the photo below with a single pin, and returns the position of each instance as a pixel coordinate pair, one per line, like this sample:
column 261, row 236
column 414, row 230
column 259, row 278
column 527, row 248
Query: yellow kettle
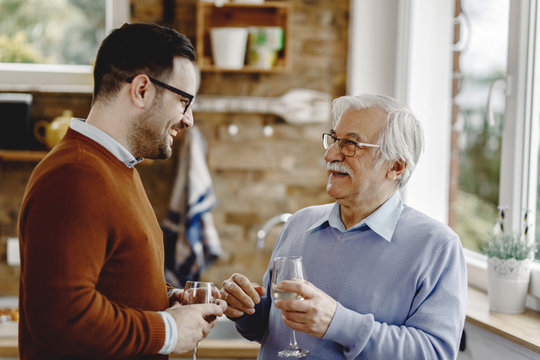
column 50, row 133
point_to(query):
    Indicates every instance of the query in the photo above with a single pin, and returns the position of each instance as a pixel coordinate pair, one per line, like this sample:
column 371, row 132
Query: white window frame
column 420, row 24
column 60, row 78
column 519, row 155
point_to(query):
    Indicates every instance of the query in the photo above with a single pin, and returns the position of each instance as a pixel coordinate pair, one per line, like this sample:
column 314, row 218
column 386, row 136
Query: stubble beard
column 145, row 139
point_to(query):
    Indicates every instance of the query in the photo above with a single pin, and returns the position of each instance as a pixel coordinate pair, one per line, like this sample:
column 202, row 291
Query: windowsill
column 46, row 78
column 477, row 277
column 522, row 329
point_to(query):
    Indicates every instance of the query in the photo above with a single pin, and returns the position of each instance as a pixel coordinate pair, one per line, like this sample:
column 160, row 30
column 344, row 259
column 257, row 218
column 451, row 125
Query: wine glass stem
column 194, row 357
column 293, row 344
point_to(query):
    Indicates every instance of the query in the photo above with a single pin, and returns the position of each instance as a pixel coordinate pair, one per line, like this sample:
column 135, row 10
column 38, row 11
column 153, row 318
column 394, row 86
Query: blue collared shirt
column 122, row 154
column 105, row 140
column 382, row 221
column 399, row 279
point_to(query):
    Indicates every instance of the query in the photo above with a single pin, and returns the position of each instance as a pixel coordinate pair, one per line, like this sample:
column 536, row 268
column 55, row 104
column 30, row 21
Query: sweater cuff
column 157, row 332
column 171, row 333
column 349, row 328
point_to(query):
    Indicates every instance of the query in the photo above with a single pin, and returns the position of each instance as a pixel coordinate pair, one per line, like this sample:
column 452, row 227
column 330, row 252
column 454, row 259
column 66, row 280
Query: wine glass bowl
column 199, row 292
column 288, row 268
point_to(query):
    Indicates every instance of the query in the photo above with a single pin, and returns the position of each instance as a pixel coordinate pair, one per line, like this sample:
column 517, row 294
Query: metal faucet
column 263, row 231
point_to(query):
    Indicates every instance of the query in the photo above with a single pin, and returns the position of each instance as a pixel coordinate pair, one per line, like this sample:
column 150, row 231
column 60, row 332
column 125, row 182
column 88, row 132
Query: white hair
column 402, row 137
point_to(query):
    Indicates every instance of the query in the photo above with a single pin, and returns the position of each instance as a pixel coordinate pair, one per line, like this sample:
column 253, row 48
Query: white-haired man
column 385, row 280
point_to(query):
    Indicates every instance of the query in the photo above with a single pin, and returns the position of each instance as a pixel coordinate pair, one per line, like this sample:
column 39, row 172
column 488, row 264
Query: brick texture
column 255, row 177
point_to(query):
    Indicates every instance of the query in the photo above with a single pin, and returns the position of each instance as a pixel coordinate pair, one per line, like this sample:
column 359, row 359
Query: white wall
column 372, row 47
column 428, row 92
column 403, row 49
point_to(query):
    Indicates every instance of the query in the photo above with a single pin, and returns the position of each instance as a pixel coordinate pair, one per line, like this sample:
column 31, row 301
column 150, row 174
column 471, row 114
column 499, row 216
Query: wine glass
column 199, row 292
column 288, row 268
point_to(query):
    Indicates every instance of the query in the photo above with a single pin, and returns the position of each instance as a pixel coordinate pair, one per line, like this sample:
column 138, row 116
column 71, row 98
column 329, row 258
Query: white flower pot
column 508, row 284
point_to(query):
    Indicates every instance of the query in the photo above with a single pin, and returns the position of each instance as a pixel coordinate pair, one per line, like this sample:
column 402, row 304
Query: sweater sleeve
column 433, row 328
column 253, row 327
column 65, row 242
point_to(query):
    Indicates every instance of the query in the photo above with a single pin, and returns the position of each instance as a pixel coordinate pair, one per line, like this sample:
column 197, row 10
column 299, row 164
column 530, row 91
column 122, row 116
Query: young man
column 92, row 279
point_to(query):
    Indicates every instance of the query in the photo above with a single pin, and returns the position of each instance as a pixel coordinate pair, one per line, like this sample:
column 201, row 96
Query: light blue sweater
column 399, row 278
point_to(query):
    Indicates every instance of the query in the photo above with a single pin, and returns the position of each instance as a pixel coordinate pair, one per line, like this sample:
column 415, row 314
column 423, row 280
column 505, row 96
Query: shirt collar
column 382, row 221
column 105, row 140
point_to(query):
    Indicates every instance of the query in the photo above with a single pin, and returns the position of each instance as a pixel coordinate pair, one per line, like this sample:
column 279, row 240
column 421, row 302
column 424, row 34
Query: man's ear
column 139, row 91
column 397, row 169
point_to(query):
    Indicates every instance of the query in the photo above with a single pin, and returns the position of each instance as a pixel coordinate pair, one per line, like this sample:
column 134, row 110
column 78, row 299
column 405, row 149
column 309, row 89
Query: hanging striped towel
column 190, row 238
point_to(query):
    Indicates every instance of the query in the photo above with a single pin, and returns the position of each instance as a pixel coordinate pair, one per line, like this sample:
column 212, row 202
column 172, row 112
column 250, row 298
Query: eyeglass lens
column 346, row 147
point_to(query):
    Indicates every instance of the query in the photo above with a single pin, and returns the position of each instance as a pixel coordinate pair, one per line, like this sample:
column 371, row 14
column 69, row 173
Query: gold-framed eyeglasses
column 188, row 98
column 347, row 147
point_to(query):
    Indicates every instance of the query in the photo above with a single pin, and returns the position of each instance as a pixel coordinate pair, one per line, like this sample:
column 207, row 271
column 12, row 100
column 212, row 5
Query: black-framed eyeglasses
column 184, row 94
column 347, row 147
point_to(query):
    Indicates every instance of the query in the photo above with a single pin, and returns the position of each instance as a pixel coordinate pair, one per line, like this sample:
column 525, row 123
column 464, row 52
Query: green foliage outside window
column 479, row 159
column 52, row 31
column 480, row 154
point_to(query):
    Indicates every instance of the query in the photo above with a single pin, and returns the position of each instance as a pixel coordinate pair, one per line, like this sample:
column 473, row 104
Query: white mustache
column 339, row 167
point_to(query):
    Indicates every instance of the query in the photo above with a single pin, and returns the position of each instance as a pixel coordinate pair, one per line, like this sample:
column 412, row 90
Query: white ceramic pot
column 229, row 46
column 508, row 284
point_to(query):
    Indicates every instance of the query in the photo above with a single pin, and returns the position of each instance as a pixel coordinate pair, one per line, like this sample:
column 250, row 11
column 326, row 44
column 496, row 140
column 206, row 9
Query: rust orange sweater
column 91, row 259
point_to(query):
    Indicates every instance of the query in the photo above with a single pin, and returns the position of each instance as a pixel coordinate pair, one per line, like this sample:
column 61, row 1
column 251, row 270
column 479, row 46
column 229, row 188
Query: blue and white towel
column 190, row 238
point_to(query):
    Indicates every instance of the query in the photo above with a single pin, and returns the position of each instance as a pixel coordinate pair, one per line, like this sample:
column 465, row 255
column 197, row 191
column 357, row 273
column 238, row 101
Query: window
column 50, row 46
column 498, row 153
column 51, row 32
column 417, row 73
column 537, row 222
column 514, row 135
column 480, row 71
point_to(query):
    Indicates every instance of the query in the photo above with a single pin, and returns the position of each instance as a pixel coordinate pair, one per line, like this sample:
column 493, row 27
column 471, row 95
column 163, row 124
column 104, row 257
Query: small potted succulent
column 510, row 258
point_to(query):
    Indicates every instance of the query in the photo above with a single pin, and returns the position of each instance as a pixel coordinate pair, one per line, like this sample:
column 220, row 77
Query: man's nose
column 333, row 153
column 187, row 118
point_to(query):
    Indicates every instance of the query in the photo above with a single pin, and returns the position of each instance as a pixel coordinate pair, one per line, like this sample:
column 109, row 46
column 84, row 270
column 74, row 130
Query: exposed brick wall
column 255, row 177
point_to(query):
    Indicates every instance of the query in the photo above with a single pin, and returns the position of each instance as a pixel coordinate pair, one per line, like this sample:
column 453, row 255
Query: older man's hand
column 311, row 315
column 241, row 295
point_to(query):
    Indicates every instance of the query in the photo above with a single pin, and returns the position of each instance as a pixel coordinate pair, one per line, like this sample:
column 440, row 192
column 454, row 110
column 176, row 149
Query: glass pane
column 481, row 63
column 52, row 31
column 537, row 226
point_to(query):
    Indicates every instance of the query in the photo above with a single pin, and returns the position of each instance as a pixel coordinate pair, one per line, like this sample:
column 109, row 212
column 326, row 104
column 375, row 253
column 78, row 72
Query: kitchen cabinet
column 269, row 13
column 493, row 335
column 484, row 344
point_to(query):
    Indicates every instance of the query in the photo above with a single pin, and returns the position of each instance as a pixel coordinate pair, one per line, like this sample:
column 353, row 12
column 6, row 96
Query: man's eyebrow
column 353, row 135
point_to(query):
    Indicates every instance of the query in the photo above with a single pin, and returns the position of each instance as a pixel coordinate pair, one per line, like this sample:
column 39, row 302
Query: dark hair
column 134, row 49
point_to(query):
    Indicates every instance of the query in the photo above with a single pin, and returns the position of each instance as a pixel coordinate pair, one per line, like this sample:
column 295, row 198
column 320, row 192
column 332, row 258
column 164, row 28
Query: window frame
column 519, row 163
column 520, row 138
column 60, row 77
column 413, row 83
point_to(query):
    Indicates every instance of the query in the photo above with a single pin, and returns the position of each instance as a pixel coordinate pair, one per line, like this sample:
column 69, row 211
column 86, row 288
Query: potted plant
column 510, row 258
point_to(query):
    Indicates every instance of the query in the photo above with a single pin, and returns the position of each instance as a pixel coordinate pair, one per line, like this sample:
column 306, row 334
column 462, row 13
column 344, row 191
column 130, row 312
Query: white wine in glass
column 284, row 295
column 288, row 268
column 199, row 292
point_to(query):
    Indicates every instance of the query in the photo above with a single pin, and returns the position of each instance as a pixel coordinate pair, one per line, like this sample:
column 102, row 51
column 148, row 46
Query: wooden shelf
column 36, row 156
column 22, row 155
column 269, row 13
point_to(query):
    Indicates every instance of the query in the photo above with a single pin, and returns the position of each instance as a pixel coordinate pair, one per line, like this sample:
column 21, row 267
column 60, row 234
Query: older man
column 385, row 280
